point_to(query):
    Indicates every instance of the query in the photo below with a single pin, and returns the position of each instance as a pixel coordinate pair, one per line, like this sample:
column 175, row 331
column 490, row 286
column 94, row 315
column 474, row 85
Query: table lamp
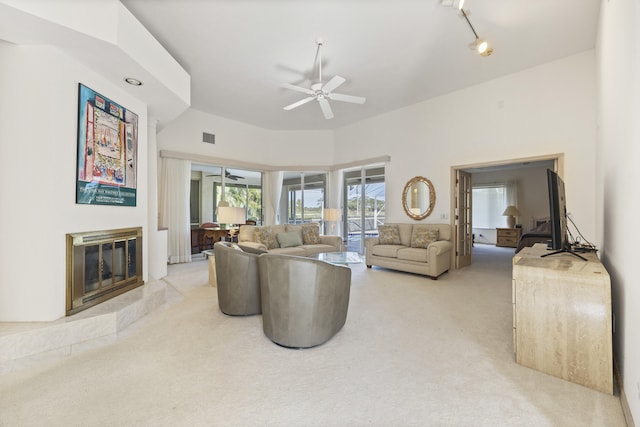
column 511, row 212
column 229, row 216
column 332, row 215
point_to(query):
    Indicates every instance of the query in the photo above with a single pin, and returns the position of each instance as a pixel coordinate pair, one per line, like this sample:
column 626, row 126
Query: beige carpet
column 414, row 352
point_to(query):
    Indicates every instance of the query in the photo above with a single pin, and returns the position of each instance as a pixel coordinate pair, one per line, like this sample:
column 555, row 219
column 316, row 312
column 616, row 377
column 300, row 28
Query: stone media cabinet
column 562, row 316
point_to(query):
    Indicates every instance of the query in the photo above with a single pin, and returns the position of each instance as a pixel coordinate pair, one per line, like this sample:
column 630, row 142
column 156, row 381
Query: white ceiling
column 393, row 52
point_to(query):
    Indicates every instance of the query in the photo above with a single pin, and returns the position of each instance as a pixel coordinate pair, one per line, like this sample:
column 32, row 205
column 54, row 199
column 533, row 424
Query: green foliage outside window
column 245, row 197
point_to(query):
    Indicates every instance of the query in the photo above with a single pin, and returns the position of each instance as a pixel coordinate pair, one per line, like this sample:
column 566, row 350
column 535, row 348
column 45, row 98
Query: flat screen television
column 558, row 216
column 557, row 211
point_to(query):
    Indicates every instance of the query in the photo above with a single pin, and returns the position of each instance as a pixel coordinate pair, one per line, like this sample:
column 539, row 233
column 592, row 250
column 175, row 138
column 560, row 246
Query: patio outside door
column 365, row 206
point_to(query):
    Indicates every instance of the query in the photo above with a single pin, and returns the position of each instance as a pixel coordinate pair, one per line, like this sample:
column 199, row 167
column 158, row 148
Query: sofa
column 414, row 248
column 287, row 239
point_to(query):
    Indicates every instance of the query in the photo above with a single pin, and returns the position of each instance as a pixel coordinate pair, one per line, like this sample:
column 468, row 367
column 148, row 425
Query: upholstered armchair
column 304, row 301
column 237, row 280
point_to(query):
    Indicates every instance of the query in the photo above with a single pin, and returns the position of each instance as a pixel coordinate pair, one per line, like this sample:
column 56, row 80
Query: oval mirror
column 418, row 198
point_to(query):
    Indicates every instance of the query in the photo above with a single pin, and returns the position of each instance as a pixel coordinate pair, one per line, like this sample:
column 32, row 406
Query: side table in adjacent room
column 508, row 237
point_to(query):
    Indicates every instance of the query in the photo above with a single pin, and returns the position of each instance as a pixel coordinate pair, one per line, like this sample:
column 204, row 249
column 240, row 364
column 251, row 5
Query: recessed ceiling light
column 132, row 81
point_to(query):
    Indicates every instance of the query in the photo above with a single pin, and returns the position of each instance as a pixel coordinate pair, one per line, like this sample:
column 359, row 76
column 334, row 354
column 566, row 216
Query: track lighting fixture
column 479, row 45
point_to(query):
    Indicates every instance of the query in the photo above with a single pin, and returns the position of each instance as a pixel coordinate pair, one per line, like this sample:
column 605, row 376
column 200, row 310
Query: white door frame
column 558, row 163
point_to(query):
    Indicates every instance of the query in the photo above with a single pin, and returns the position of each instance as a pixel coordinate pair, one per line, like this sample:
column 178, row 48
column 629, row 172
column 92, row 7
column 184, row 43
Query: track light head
column 482, row 47
column 479, row 45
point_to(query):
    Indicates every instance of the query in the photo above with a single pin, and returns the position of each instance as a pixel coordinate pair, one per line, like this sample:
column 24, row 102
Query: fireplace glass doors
column 101, row 265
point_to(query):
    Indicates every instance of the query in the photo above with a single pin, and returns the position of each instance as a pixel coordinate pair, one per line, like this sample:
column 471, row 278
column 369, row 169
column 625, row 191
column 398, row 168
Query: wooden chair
column 206, row 241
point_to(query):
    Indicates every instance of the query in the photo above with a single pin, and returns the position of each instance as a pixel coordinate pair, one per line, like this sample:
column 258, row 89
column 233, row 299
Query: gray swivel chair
column 237, row 280
column 304, row 301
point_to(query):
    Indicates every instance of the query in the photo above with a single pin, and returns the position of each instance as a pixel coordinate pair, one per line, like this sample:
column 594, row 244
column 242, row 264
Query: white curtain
column 272, row 196
column 512, row 193
column 335, row 189
column 334, row 197
column 174, row 194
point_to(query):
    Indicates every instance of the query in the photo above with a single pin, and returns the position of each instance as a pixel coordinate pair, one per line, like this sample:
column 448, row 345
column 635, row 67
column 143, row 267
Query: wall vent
column 209, row 138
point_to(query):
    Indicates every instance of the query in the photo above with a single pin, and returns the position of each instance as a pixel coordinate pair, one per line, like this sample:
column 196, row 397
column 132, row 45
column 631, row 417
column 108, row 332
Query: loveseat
column 288, row 239
column 414, row 248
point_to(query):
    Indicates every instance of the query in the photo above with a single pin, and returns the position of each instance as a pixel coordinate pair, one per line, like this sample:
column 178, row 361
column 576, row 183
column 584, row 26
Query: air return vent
column 209, row 138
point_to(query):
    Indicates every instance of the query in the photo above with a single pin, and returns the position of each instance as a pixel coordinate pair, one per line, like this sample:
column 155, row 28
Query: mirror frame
column 432, row 198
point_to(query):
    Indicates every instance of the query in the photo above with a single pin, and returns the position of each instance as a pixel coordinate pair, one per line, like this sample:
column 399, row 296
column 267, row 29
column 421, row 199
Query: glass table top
column 339, row 257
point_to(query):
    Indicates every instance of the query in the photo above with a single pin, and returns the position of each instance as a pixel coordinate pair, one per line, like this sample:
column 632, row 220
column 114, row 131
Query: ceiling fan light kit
column 322, row 93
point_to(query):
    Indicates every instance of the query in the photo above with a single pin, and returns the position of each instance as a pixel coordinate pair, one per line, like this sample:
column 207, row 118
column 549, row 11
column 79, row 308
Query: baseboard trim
column 626, row 411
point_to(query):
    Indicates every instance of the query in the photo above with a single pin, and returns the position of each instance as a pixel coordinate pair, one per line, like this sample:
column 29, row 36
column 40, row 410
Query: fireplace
column 102, row 265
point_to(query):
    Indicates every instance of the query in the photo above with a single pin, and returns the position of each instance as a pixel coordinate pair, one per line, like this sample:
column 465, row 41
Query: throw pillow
column 422, row 236
column 311, row 234
column 289, row 239
column 252, row 250
column 389, row 235
column 265, row 236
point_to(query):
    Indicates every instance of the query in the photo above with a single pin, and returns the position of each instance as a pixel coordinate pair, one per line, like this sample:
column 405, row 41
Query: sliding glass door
column 305, row 194
column 248, row 196
column 212, row 184
column 364, row 201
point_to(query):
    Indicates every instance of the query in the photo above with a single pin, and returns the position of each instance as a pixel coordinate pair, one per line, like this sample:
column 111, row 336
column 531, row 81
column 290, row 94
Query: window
column 242, row 188
column 305, row 194
column 246, row 195
column 194, row 206
column 488, row 204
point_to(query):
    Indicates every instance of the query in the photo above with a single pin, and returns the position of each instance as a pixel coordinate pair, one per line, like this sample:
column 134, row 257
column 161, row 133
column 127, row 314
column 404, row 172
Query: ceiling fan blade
column 299, row 103
column 333, row 83
column 298, row 88
column 347, row 98
column 326, row 108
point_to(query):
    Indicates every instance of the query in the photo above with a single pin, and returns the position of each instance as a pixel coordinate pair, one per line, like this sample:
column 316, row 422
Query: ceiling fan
column 229, row 175
column 322, row 93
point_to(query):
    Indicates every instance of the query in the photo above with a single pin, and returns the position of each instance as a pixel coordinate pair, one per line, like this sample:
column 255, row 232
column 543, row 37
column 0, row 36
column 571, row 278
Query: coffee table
column 339, row 257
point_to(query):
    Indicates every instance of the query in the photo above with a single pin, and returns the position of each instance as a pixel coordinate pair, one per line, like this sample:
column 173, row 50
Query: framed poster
column 107, row 151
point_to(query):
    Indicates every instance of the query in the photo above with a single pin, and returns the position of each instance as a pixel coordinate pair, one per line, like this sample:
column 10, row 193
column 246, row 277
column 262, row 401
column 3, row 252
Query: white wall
column 544, row 110
column 38, row 140
column 618, row 194
column 240, row 141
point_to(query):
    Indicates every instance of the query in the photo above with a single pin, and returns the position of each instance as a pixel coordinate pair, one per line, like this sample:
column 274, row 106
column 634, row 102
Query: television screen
column 558, row 211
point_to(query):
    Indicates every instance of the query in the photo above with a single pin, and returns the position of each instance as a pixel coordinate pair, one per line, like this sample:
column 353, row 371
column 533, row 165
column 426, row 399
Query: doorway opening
column 531, row 198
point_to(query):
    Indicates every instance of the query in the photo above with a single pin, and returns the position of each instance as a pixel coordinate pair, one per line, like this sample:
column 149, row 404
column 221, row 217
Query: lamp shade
column 221, row 203
column 332, row 214
column 511, row 211
column 231, row 215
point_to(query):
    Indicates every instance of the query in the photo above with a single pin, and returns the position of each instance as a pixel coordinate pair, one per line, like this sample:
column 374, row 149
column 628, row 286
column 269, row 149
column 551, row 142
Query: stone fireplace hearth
column 102, row 265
